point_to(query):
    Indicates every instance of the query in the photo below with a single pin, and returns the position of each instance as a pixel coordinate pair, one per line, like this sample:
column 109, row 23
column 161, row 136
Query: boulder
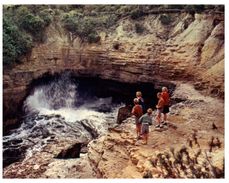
column 123, row 113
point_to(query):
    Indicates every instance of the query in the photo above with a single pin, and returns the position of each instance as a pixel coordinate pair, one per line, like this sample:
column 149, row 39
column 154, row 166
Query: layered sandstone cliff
column 191, row 48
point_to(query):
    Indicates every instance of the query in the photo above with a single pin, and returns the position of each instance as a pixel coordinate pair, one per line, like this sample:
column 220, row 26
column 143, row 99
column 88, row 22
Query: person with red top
column 159, row 106
column 137, row 112
column 165, row 96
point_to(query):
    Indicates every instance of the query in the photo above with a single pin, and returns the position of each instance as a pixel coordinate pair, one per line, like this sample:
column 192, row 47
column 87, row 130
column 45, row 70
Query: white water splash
column 39, row 103
column 61, row 97
column 73, row 115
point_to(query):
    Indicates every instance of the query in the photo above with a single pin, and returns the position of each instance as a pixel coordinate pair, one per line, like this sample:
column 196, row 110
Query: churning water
column 57, row 110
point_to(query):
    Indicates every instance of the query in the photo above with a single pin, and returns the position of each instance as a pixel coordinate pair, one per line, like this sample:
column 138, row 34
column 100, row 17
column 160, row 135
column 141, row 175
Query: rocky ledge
column 192, row 146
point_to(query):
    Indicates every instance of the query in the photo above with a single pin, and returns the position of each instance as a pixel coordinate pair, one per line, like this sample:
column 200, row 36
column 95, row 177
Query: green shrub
column 195, row 8
column 176, row 6
column 111, row 20
column 15, row 42
column 70, row 22
column 35, row 25
column 136, row 13
column 199, row 8
column 93, row 37
column 21, row 12
column 81, row 27
column 86, row 27
column 46, row 16
column 32, row 24
column 22, row 26
column 220, row 8
column 139, row 28
column 165, row 19
column 107, row 21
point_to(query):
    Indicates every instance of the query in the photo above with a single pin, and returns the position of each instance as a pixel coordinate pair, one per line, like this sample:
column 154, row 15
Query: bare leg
column 165, row 117
column 138, row 129
column 147, row 138
column 159, row 118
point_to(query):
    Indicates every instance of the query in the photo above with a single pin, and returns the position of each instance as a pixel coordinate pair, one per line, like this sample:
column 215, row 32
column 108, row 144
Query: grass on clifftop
column 25, row 25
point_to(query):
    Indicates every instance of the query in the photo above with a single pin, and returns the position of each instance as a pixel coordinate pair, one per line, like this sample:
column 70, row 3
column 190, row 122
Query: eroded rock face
column 183, row 50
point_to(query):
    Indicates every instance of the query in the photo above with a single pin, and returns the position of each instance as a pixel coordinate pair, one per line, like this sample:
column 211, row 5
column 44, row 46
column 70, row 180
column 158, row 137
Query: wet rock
column 58, row 116
column 45, row 133
column 48, row 117
column 12, row 155
column 29, row 124
column 90, row 128
column 39, row 131
column 16, row 141
column 59, row 126
column 41, row 117
column 104, row 108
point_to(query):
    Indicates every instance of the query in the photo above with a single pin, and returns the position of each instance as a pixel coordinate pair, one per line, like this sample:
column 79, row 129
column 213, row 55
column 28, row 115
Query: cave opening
column 91, row 87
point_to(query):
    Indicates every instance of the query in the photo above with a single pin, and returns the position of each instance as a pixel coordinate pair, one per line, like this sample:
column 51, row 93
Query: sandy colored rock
column 177, row 53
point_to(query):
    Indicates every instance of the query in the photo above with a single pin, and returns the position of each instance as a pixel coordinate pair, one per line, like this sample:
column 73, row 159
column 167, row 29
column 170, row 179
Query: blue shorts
column 145, row 129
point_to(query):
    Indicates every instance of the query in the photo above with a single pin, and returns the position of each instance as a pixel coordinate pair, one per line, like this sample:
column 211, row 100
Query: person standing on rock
column 165, row 96
column 146, row 120
column 137, row 112
column 160, row 107
column 140, row 100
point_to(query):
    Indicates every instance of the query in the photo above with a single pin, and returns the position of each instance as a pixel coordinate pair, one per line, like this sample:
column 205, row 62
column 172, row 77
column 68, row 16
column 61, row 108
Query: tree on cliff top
column 22, row 27
column 15, row 42
column 80, row 27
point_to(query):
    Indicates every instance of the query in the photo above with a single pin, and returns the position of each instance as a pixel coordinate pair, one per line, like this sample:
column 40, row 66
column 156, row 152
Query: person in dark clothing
column 140, row 100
